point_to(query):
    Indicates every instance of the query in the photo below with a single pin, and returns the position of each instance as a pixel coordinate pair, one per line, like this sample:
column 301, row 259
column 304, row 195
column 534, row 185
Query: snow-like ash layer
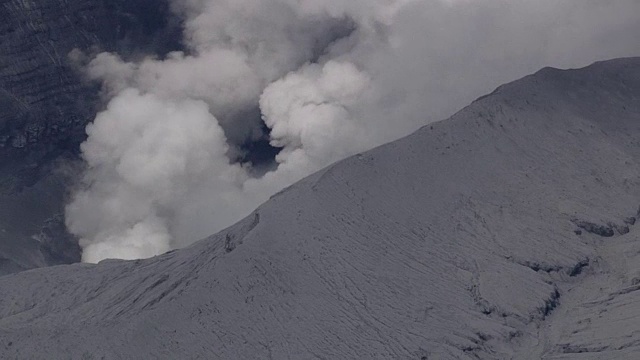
column 324, row 79
column 482, row 236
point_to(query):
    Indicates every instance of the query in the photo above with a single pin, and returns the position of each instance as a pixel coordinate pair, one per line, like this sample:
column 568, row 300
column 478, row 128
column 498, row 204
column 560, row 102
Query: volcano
column 506, row 231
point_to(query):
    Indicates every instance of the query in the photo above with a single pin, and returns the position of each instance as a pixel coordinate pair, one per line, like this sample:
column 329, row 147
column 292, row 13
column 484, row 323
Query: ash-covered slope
column 506, row 231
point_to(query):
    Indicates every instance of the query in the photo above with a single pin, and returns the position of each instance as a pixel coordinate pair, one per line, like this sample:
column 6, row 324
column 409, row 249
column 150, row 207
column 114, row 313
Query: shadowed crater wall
column 45, row 105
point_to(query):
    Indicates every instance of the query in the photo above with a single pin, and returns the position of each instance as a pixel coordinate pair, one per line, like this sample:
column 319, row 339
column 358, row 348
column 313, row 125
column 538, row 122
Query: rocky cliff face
column 45, row 105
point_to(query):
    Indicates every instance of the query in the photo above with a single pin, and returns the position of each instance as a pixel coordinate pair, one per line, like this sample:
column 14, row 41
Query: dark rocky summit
column 45, row 105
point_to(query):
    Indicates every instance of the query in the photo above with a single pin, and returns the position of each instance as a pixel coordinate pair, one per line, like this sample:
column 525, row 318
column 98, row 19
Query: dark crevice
column 597, row 229
column 550, row 304
column 609, row 229
column 577, row 269
column 229, row 245
column 535, row 266
column 166, row 292
column 543, row 267
column 573, row 349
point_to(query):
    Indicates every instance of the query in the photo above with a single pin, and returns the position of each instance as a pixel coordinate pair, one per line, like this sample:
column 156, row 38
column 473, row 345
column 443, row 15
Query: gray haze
column 331, row 78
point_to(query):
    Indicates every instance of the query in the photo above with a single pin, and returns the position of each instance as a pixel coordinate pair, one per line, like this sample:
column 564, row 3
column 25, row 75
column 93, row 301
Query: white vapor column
column 330, row 77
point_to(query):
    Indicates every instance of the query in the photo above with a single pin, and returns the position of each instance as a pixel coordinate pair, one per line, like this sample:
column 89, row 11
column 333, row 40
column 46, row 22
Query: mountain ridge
column 474, row 237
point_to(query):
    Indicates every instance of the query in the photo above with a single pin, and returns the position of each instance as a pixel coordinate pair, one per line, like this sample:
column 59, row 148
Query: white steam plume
column 330, row 77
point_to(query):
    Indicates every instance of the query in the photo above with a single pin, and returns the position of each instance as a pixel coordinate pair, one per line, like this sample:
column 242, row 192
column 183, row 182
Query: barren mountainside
column 506, row 231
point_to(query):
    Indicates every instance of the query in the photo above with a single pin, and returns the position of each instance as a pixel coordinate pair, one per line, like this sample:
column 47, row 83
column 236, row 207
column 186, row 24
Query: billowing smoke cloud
column 330, row 78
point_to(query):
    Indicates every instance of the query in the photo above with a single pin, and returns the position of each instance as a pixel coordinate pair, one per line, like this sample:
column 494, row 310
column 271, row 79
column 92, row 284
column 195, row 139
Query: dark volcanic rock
column 45, row 105
column 601, row 230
